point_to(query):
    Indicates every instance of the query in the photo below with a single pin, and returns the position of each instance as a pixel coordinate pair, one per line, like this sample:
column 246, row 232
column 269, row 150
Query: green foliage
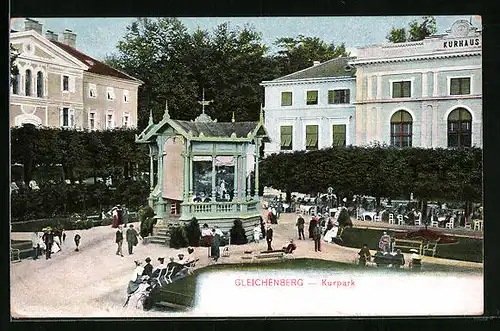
column 344, row 218
column 299, row 53
column 178, row 238
column 238, row 236
column 417, row 31
column 193, row 232
column 14, row 54
column 379, row 171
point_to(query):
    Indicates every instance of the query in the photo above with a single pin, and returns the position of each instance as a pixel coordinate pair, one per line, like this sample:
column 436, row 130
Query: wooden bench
column 269, row 255
column 409, row 244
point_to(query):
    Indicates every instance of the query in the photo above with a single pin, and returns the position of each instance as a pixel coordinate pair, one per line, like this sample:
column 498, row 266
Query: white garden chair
column 400, row 220
column 450, row 224
column 391, row 219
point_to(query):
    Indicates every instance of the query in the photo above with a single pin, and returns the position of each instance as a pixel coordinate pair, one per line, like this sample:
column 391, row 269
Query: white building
column 422, row 94
column 312, row 108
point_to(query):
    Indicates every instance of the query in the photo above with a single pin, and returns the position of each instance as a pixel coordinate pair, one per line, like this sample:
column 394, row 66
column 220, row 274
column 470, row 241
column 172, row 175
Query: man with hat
column 300, row 227
column 132, row 240
column 148, row 268
column 119, row 240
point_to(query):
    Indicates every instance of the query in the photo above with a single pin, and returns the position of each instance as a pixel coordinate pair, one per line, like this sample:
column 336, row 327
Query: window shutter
column 61, row 118
column 348, row 96
column 396, row 90
column 454, row 86
column 331, row 97
column 286, row 98
column 311, row 135
column 406, row 89
column 286, row 137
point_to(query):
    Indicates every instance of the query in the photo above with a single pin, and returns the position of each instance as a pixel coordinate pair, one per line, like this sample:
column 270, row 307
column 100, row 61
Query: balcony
column 234, row 209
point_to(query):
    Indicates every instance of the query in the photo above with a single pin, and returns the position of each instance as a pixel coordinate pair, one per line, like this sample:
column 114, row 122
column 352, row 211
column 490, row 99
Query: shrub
column 238, row 236
column 193, row 232
column 178, row 237
column 344, row 218
column 147, row 226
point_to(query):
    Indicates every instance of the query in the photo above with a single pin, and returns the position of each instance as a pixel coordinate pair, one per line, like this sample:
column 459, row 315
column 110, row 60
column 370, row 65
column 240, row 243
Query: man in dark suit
column 269, row 238
column 132, row 240
column 300, row 227
column 119, row 240
column 48, row 239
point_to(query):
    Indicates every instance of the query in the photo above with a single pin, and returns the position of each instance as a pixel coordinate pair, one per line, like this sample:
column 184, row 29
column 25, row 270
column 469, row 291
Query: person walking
column 48, row 239
column 63, row 236
column 132, row 240
column 269, row 238
column 256, row 233
column 300, row 227
column 35, row 243
column 317, row 238
column 77, row 242
column 215, row 249
column 119, row 240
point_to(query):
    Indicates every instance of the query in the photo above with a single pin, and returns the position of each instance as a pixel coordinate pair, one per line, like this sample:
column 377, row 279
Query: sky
column 98, row 37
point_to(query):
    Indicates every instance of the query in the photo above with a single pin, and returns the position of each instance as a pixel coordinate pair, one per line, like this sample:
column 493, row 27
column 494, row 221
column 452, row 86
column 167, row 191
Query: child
column 77, row 242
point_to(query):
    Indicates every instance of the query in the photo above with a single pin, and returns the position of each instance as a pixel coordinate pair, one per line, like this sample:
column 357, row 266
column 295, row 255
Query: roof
column 331, row 68
column 95, row 66
column 218, row 129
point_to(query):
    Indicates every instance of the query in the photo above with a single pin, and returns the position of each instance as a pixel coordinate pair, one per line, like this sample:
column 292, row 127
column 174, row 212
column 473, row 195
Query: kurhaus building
column 312, row 108
column 423, row 94
column 58, row 86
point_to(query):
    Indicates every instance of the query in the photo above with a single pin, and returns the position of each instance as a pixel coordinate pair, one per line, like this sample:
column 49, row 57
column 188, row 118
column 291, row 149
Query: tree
column 417, row 31
column 14, row 71
column 229, row 63
column 299, row 53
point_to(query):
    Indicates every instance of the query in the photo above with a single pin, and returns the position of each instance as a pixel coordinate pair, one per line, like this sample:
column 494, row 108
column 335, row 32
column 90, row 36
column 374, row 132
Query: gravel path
column 92, row 282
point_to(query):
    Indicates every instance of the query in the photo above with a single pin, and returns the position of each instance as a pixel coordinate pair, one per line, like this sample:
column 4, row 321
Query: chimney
column 51, row 35
column 69, row 38
column 315, row 63
column 30, row 24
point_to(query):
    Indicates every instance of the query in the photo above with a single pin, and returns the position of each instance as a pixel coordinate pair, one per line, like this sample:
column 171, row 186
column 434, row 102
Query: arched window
column 401, row 129
column 15, row 82
column 459, row 128
column 39, row 84
column 28, row 82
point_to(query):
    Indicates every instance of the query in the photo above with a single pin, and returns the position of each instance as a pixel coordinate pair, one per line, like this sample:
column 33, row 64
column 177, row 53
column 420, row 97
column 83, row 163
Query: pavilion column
column 249, row 185
column 242, row 189
column 256, row 174
column 151, row 169
column 159, row 205
column 187, row 170
column 236, row 159
column 190, row 176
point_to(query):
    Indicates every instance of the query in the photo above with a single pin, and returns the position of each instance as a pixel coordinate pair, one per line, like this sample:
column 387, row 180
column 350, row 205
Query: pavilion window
column 28, row 83
column 460, row 86
column 311, row 137
column 312, row 98
column 401, row 89
column 39, row 84
column 15, row 82
column 339, row 135
column 460, row 128
column 401, row 129
column 286, row 98
column 286, row 137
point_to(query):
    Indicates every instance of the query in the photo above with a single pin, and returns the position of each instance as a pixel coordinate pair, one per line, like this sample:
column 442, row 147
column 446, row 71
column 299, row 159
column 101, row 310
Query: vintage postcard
column 249, row 166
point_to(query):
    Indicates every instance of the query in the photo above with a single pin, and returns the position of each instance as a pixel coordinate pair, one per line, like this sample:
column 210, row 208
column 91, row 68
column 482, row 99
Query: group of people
column 212, row 238
column 132, row 237
column 49, row 241
column 384, row 255
column 318, row 228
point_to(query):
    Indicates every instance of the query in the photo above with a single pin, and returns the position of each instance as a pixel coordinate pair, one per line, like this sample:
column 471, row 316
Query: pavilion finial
column 261, row 115
column 232, row 120
column 166, row 115
column 150, row 117
column 204, row 117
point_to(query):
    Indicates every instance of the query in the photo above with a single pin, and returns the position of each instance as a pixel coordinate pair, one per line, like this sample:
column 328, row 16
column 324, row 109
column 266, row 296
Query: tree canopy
column 416, row 31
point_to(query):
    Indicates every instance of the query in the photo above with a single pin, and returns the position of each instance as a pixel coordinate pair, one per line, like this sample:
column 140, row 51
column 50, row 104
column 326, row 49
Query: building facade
column 421, row 94
column 312, row 108
column 58, row 86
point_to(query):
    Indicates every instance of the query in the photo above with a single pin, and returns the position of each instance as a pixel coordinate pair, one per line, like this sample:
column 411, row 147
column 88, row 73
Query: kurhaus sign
column 469, row 42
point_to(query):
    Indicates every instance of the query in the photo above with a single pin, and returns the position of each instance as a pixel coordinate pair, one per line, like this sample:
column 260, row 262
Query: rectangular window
column 311, row 137
column 286, row 98
column 92, row 91
column 286, row 137
column 312, row 98
column 339, row 134
column 125, row 96
column 339, row 96
column 125, row 120
column 401, row 89
column 65, row 83
column 110, row 93
column 109, row 121
column 92, row 121
column 460, row 86
column 67, row 118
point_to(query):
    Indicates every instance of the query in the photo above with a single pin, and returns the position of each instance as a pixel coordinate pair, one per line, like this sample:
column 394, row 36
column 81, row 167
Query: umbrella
column 428, row 235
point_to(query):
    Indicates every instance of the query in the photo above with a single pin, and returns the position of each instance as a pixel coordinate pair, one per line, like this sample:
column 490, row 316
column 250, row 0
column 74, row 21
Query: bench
column 15, row 255
column 431, row 246
column 408, row 244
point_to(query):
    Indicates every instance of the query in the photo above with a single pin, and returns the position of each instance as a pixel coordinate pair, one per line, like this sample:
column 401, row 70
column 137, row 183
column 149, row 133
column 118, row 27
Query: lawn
column 466, row 249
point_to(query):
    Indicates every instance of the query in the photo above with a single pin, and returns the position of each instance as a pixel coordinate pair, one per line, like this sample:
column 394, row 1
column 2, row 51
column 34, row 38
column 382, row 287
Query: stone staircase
column 160, row 236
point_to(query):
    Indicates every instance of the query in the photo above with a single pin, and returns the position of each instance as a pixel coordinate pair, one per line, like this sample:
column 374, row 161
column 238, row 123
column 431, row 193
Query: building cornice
column 112, row 78
column 307, row 81
column 360, row 62
column 439, row 98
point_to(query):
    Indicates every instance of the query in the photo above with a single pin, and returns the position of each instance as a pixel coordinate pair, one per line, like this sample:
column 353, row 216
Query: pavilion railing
column 219, row 208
